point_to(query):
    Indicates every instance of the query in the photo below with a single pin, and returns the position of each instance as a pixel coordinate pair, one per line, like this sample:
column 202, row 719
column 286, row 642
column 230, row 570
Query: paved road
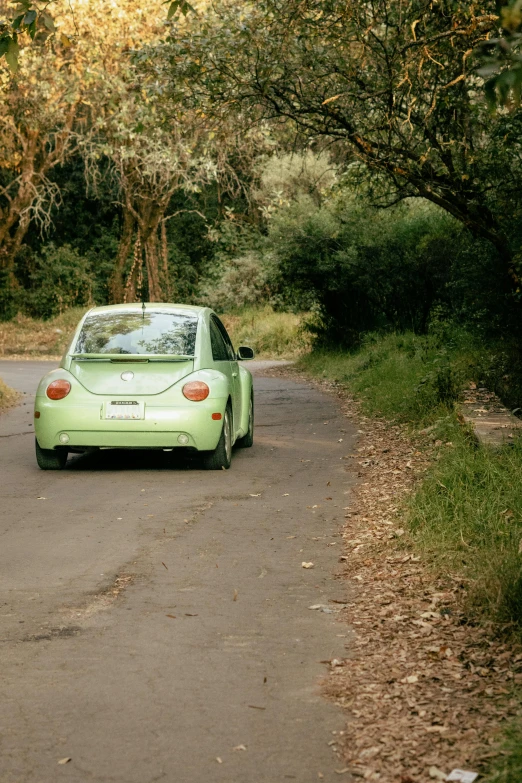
column 154, row 617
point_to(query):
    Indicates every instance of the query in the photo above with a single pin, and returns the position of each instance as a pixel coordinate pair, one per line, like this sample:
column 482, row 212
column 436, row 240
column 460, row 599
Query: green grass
column 272, row 335
column 402, row 377
column 467, row 518
column 507, row 767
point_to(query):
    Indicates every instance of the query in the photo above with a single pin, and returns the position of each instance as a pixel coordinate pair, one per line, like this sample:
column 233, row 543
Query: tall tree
column 48, row 104
column 38, row 110
column 151, row 157
column 392, row 82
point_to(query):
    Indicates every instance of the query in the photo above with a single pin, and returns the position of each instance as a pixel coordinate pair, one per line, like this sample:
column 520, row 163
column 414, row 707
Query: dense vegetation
column 335, row 158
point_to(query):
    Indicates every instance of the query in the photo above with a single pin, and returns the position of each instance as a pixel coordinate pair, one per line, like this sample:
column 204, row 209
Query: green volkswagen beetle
column 146, row 376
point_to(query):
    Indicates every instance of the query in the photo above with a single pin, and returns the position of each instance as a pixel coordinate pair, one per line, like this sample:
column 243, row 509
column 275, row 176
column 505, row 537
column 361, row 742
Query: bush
column 60, row 279
column 370, row 269
column 242, row 281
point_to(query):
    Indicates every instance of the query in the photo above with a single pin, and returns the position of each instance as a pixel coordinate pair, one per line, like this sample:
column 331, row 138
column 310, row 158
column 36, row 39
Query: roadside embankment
column 272, row 335
column 434, row 542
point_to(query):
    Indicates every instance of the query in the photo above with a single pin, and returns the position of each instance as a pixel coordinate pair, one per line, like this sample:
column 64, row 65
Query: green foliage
column 241, row 281
column 369, row 269
column 61, row 279
column 393, row 84
column 8, row 297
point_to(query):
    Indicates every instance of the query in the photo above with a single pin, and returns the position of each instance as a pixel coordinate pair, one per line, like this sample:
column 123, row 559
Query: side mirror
column 245, row 353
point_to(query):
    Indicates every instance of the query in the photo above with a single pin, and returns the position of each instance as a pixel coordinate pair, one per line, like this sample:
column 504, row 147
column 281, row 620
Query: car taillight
column 196, row 391
column 57, row 390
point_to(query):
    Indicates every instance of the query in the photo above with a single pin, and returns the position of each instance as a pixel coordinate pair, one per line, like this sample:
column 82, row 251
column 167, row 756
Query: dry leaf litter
column 425, row 690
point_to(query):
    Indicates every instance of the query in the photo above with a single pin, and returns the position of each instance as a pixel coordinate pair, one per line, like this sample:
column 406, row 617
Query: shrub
column 370, row 269
column 61, row 278
column 241, row 282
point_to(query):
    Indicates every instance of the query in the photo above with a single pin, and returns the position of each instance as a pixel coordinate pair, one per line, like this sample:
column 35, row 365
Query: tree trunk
column 116, row 283
column 152, row 264
column 165, row 259
column 134, row 281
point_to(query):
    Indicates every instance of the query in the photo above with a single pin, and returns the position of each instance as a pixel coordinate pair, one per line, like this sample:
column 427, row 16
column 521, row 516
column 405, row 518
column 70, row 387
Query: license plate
column 124, row 409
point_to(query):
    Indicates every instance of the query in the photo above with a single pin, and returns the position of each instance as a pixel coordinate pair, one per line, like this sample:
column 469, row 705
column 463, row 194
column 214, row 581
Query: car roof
column 137, row 307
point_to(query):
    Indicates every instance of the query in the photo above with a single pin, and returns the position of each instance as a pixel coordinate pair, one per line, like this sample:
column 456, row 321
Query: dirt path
column 155, row 621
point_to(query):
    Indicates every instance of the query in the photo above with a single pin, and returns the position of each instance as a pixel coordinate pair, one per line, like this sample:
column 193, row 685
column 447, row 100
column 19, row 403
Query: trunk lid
column 130, row 376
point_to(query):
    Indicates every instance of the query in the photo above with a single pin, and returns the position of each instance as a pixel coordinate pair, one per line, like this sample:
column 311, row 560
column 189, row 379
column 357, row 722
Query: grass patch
column 32, row 337
column 8, row 396
column 272, row 335
column 507, row 767
column 467, row 517
column 403, row 377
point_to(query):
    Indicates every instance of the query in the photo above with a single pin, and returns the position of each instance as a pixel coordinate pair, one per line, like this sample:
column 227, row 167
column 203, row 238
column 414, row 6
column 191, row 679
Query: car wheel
column 248, row 440
column 221, row 457
column 49, row 459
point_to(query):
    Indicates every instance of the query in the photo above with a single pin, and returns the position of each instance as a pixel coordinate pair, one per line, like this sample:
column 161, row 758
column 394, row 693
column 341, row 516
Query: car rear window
column 153, row 333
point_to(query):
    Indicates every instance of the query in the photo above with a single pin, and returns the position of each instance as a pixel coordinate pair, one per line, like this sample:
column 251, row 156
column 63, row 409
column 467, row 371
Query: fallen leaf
column 235, row 595
column 40, row 498
column 190, row 615
column 342, row 771
column 172, row 616
column 307, row 565
column 163, row 564
column 65, row 760
column 255, row 496
column 239, row 747
column 255, row 707
column 219, row 760
column 286, row 494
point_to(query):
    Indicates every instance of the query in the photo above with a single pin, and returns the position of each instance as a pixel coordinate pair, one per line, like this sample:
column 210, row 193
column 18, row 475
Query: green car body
column 152, row 383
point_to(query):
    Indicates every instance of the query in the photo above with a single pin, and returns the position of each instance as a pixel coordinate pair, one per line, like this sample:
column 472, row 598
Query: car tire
column 248, row 440
column 221, row 457
column 49, row 459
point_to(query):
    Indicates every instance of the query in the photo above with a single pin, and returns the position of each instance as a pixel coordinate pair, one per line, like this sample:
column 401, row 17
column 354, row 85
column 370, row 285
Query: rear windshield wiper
column 128, row 357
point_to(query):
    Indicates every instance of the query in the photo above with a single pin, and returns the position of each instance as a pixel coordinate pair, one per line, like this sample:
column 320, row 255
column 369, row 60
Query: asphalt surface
column 154, row 618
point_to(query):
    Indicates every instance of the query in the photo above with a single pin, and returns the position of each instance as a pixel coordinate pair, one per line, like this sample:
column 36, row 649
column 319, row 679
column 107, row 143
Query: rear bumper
column 161, row 427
